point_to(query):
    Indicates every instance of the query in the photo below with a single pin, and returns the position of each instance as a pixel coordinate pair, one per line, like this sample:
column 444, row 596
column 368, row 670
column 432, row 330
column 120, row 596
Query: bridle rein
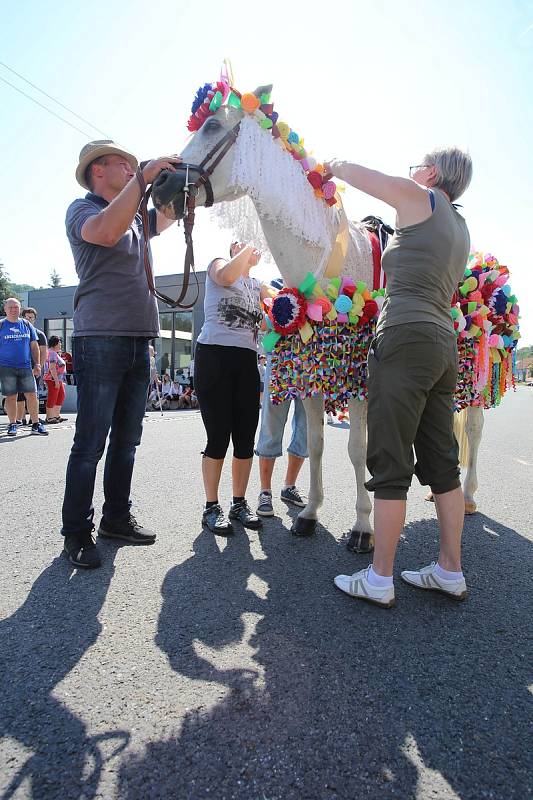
column 190, row 191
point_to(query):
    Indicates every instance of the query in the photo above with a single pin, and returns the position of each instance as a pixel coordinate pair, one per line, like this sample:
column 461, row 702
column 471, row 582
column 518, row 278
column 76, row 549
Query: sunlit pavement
column 205, row 667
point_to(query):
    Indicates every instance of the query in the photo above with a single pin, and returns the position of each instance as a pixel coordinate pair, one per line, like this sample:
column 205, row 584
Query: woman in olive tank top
column 412, row 369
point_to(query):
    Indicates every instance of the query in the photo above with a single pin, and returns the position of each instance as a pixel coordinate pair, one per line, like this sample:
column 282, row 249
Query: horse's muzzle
column 168, row 190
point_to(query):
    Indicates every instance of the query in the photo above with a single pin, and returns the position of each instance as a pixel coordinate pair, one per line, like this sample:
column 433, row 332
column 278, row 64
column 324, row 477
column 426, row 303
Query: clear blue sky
column 379, row 83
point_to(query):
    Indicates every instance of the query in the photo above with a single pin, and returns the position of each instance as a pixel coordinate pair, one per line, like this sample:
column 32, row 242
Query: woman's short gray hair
column 454, row 170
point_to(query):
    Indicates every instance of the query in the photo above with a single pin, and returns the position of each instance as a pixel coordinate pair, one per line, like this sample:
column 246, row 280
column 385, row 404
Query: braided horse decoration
column 273, row 194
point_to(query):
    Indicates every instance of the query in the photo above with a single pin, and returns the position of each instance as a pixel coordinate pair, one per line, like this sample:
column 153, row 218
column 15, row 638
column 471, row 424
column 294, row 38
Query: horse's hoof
column 360, row 542
column 302, row 526
column 470, row 507
column 429, row 497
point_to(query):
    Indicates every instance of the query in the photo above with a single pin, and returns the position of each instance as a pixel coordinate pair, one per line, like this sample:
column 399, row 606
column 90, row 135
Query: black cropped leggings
column 227, row 386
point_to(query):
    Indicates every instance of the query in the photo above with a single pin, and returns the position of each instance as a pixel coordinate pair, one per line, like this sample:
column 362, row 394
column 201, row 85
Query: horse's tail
column 459, row 428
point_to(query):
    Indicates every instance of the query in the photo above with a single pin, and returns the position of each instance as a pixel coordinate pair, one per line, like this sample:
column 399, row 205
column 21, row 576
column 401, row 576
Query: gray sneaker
column 292, row 495
column 264, row 505
column 242, row 512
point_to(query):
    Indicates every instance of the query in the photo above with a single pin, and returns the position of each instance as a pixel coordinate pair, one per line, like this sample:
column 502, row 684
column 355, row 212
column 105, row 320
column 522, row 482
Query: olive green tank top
column 424, row 264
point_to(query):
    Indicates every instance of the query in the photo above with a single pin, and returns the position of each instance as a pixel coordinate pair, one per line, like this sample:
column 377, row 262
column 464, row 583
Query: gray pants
column 412, row 374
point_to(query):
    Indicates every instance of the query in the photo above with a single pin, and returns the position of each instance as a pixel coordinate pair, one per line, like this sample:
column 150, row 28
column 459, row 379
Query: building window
column 174, row 345
column 62, row 327
column 69, row 328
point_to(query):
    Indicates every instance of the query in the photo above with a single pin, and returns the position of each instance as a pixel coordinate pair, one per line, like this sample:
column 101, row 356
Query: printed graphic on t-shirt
column 239, row 311
column 15, row 338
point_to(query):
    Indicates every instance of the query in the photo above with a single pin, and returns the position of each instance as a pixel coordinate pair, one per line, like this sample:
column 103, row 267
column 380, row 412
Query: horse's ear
column 263, row 90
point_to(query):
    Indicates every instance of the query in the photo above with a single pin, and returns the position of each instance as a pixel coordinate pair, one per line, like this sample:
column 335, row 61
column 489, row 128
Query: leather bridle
column 190, row 191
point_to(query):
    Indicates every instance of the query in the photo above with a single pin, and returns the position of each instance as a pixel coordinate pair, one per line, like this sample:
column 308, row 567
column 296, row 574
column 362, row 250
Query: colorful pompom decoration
column 319, row 339
column 211, row 96
column 485, row 320
column 288, row 311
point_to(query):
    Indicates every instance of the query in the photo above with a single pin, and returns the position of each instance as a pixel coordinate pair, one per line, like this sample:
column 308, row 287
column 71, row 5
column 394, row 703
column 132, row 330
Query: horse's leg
column 474, row 428
column 361, row 536
column 305, row 522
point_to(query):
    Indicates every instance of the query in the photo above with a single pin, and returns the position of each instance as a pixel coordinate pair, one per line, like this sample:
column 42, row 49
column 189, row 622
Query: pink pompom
column 329, row 188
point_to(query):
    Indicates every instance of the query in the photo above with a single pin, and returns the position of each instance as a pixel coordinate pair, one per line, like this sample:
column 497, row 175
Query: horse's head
column 201, row 172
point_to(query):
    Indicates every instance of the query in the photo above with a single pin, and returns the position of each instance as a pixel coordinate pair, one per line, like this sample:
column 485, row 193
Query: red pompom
column 315, row 179
column 370, row 309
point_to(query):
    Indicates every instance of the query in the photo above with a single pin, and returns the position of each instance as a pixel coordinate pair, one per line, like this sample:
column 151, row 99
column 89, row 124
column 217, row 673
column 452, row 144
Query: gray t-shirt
column 232, row 313
column 112, row 298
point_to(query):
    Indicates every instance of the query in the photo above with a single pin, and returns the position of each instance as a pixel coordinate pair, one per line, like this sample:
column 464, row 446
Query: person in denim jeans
column 115, row 317
column 269, row 447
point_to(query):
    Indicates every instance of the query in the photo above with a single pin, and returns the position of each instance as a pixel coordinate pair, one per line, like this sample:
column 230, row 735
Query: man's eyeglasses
column 416, row 168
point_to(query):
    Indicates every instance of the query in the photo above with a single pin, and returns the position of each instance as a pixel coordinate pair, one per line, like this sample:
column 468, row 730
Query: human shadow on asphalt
column 39, row 645
column 428, row 699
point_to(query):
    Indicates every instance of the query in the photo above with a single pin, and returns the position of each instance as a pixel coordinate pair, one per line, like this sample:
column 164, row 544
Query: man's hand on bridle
column 153, row 168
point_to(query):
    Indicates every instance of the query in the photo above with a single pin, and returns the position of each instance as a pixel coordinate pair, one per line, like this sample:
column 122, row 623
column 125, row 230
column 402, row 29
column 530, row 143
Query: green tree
column 18, row 288
column 55, row 279
column 5, row 287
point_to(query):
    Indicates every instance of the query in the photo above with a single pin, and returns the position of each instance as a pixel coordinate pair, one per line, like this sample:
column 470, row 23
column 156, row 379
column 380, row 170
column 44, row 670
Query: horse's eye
column 211, row 126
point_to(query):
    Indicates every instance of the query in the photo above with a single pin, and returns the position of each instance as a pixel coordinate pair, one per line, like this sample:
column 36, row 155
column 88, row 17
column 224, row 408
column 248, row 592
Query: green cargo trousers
column 412, row 373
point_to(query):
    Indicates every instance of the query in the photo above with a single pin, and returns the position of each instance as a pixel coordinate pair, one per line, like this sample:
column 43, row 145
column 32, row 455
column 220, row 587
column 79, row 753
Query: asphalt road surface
column 203, row 667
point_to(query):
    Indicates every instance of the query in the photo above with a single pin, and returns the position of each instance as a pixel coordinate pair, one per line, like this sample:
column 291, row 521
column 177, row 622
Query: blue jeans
column 112, row 376
column 17, row 379
column 273, row 420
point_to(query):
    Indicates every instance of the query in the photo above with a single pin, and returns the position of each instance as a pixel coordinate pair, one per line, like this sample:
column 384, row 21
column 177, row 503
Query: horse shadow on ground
column 429, row 699
column 39, row 645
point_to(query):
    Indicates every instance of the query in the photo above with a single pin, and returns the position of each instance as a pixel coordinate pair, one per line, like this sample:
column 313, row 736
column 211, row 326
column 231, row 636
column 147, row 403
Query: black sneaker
column 242, row 512
column 38, row 429
column 128, row 531
column 292, row 495
column 264, row 504
column 214, row 519
column 81, row 551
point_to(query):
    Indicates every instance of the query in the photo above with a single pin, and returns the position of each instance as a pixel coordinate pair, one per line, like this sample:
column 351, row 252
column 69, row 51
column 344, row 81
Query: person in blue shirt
column 18, row 348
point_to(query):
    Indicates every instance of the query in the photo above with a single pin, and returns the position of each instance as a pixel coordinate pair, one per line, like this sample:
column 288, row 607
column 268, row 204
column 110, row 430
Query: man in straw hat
column 115, row 316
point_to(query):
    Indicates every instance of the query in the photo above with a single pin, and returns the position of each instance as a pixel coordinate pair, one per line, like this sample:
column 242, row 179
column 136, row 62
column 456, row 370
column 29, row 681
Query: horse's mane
column 276, row 187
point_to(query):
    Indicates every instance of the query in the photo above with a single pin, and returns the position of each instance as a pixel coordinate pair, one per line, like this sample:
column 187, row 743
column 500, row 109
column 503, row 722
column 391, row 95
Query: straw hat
column 101, row 147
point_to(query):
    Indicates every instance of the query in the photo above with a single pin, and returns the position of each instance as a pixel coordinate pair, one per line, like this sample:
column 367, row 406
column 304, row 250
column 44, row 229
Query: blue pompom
column 200, row 96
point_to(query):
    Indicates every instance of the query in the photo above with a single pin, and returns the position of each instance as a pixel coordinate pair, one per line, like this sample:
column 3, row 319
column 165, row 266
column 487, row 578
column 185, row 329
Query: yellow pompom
column 283, row 129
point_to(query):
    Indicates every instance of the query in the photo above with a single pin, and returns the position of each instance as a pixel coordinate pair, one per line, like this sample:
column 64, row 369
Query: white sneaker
column 425, row 578
column 357, row 585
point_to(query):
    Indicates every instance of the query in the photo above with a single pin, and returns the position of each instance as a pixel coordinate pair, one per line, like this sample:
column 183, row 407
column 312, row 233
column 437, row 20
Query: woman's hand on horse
column 153, row 168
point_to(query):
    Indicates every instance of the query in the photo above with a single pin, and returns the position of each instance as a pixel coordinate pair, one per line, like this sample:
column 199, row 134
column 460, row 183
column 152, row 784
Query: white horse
column 300, row 232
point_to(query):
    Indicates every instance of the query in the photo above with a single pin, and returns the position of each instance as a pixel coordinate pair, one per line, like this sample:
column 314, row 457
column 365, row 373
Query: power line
column 33, row 85
column 87, row 136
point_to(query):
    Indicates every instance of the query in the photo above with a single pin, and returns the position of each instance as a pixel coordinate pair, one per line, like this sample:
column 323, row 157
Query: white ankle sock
column 289, row 486
column 446, row 575
column 381, row 581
